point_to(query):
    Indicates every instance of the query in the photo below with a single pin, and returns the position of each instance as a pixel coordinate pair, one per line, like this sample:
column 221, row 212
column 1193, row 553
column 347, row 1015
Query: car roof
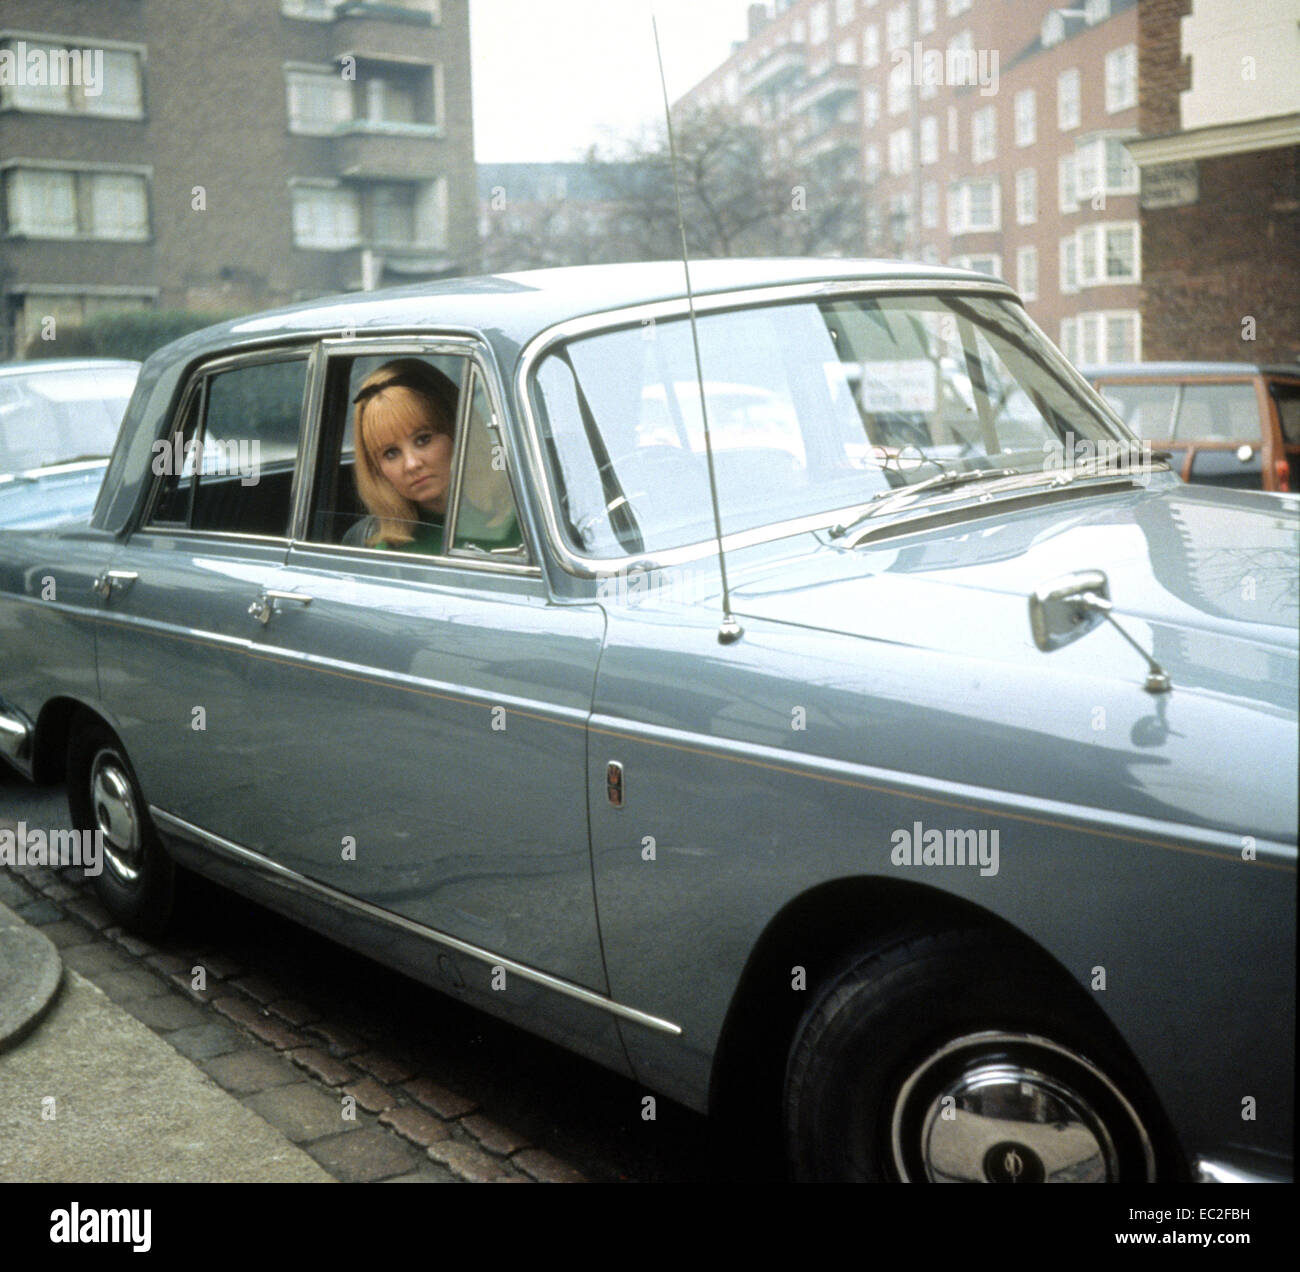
column 38, row 365
column 1180, row 370
column 517, row 306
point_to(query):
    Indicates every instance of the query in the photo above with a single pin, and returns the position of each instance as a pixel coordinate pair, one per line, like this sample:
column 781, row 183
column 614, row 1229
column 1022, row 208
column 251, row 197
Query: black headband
column 403, row 381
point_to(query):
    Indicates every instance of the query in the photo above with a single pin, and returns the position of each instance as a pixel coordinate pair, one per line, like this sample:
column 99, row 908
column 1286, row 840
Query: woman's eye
column 391, row 453
column 423, row 439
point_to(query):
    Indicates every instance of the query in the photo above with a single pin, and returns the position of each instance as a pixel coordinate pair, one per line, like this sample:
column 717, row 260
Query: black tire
column 955, row 1056
column 137, row 879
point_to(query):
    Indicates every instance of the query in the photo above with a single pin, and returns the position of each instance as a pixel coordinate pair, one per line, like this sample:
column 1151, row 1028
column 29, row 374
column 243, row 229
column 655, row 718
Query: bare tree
column 741, row 196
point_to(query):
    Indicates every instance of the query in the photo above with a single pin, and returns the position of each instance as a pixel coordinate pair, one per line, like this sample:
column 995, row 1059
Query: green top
column 472, row 531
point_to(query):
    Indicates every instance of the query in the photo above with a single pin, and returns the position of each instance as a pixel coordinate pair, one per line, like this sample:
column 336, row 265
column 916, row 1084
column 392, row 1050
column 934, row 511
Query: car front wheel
column 953, row 1057
column 136, row 882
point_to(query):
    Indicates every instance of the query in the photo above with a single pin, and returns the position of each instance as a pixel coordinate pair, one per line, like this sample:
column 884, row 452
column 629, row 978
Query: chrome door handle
column 262, row 608
column 105, row 583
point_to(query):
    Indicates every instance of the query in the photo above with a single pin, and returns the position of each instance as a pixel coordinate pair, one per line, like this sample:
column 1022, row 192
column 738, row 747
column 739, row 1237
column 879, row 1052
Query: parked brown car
column 1225, row 423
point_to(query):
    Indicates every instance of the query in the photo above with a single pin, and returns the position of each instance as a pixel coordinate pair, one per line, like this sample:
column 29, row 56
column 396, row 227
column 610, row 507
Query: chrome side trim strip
column 301, row 883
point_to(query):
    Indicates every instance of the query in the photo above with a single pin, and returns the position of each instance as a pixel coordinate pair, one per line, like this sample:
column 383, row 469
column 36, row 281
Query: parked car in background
column 1234, row 424
column 949, row 835
column 58, row 422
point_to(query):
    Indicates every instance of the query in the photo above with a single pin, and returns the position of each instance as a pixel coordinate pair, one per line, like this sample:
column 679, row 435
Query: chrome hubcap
column 116, row 818
column 1011, row 1108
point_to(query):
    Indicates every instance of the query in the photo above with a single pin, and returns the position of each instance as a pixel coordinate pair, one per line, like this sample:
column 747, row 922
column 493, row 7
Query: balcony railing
column 781, row 67
column 830, row 87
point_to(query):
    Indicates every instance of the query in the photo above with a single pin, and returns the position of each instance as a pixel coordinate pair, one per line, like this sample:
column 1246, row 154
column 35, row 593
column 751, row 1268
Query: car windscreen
column 52, row 417
column 811, row 407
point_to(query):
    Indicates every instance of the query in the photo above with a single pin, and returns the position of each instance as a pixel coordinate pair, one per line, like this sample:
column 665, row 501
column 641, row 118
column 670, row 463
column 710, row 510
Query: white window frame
column 984, row 134
column 75, row 100
column 1092, row 335
column 80, row 179
column 298, row 77
column 898, row 89
column 900, row 152
column 1026, row 196
column 926, row 16
column 819, row 22
column 897, row 27
column 928, row 147
column 870, row 107
column 1026, row 117
column 1095, row 11
column 1069, row 265
column 333, row 242
column 1093, row 244
column 1067, row 193
column 981, row 262
column 1027, row 273
column 871, row 45
column 961, row 205
column 1121, row 79
column 1069, row 105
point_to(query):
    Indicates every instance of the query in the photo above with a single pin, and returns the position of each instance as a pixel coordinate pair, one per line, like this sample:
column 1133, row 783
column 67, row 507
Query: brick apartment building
column 229, row 156
column 1219, row 112
column 990, row 133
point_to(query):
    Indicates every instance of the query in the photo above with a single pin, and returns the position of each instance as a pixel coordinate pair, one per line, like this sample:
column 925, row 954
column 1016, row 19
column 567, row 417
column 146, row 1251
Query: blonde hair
column 394, row 401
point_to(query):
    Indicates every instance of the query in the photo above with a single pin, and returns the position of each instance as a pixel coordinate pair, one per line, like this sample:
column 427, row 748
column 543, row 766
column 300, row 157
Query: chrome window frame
column 481, row 368
column 589, row 567
column 305, row 351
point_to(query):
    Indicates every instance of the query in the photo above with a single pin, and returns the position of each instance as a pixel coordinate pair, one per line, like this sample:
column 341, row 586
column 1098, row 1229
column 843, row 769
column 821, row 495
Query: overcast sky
column 553, row 76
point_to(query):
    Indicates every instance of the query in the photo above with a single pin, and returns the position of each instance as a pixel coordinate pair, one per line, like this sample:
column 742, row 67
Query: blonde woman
column 405, row 439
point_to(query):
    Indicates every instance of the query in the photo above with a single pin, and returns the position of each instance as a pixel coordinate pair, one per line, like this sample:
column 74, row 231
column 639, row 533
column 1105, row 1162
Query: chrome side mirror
column 1063, row 609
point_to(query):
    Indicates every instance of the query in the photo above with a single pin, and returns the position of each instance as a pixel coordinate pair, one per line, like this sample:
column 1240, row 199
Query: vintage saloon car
column 949, row 834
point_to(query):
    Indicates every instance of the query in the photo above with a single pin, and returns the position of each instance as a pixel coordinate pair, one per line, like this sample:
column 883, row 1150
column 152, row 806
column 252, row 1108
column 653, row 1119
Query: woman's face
column 418, row 466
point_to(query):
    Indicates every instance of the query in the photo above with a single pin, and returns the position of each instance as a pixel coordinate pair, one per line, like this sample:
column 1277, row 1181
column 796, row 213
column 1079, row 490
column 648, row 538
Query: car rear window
column 1218, row 413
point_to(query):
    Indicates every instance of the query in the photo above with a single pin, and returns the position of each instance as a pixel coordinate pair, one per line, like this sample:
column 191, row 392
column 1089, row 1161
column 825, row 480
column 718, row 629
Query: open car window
column 478, row 516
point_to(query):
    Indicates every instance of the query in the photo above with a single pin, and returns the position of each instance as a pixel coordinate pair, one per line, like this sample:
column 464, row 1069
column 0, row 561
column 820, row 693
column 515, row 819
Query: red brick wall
column 1233, row 254
column 1163, row 71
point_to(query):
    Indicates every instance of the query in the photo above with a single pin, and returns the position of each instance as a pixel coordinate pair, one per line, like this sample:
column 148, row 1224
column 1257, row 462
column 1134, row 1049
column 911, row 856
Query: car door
column 175, row 633
column 423, row 744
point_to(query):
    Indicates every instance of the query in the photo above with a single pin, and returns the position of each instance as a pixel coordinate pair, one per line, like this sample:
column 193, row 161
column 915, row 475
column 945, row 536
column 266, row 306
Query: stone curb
column 31, row 973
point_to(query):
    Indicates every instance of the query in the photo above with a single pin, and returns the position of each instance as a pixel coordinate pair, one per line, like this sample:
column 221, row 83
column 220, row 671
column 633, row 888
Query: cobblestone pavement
column 290, row 1023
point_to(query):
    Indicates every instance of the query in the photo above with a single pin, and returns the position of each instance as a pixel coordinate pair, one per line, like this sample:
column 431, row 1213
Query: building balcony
column 835, row 139
column 829, row 89
column 361, row 268
column 781, row 68
column 371, row 32
column 392, row 151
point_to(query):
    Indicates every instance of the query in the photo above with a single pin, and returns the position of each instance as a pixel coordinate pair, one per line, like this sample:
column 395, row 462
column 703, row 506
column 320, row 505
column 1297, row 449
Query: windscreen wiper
column 940, row 481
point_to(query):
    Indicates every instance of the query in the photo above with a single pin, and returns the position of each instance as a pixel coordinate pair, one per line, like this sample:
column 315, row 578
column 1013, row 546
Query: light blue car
column 58, row 422
column 884, row 753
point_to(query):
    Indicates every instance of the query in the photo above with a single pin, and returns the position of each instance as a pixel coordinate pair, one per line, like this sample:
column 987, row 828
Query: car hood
column 38, row 500
column 1205, row 580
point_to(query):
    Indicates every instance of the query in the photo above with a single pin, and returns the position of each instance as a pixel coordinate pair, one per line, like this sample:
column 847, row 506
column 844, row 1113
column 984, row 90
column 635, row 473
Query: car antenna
column 730, row 630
